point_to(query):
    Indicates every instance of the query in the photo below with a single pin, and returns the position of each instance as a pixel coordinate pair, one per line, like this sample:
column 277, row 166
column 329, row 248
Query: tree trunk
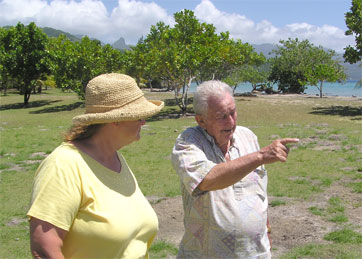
column 183, row 101
column 185, row 94
column 150, row 84
column 27, row 94
column 321, row 90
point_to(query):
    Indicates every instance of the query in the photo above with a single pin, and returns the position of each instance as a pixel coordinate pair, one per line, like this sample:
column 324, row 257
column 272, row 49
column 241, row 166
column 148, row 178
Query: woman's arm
column 46, row 240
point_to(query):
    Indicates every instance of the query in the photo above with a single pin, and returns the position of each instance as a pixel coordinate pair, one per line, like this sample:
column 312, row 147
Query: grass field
column 330, row 152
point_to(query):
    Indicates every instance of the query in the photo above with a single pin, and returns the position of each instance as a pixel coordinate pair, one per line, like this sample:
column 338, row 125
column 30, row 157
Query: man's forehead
column 221, row 107
column 225, row 101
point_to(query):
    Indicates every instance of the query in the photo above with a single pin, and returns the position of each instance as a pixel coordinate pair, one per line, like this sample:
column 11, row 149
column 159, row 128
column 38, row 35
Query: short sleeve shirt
column 105, row 213
column 226, row 223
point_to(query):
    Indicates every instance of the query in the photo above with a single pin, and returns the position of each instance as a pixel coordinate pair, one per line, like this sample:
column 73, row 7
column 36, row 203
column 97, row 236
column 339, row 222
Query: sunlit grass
column 161, row 249
column 308, row 171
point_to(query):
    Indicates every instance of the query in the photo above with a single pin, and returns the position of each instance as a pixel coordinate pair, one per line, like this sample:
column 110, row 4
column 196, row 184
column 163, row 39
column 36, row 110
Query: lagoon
column 346, row 89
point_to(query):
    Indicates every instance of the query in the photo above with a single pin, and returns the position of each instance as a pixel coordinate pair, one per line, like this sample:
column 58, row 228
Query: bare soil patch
column 293, row 224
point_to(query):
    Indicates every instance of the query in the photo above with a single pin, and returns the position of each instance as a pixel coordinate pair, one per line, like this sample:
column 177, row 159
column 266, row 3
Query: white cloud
column 12, row 11
column 130, row 19
column 85, row 17
column 133, row 18
column 240, row 27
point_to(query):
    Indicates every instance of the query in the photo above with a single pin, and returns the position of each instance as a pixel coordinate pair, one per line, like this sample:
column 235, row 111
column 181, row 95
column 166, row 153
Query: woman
column 86, row 202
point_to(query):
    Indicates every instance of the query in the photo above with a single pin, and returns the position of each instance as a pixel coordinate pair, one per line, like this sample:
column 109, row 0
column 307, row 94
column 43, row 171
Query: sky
column 322, row 22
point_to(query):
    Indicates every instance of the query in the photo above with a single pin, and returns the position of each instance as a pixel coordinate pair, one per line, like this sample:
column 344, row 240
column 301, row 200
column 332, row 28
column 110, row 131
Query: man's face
column 220, row 121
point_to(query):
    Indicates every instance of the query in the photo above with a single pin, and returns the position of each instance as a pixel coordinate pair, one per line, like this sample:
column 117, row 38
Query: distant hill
column 266, row 49
column 353, row 71
column 51, row 32
column 120, row 44
column 55, row 33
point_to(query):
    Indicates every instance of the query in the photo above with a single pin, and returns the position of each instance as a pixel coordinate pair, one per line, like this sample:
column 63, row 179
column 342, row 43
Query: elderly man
column 223, row 180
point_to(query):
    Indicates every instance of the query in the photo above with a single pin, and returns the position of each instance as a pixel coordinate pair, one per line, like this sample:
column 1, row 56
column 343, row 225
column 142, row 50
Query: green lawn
column 329, row 129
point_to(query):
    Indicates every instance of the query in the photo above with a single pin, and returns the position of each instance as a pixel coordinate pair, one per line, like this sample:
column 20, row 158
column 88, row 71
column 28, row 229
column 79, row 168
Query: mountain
column 51, row 32
column 353, row 71
column 121, row 44
column 55, row 33
column 266, row 49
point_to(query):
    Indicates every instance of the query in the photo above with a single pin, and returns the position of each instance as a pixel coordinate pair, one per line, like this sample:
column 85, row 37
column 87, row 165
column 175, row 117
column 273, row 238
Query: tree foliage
column 299, row 63
column 24, row 57
column 256, row 75
column 73, row 64
column 324, row 68
column 189, row 52
column 288, row 67
column 354, row 25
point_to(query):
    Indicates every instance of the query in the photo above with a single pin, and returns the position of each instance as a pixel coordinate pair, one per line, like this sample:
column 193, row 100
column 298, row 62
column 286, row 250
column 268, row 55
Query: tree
column 354, row 25
column 174, row 54
column 191, row 51
column 24, row 56
column 4, row 76
column 256, row 75
column 135, row 63
column 324, row 68
column 298, row 64
column 75, row 63
column 289, row 66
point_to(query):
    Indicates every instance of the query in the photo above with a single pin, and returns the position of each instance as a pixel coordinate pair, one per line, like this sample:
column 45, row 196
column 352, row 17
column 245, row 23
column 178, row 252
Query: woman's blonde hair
column 81, row 131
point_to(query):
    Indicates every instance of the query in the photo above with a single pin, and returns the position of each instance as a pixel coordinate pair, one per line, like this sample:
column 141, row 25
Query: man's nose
column 230, row 119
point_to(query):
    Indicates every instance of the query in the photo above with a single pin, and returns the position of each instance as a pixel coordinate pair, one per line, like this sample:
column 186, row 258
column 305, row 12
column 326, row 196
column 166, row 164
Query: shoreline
column 260, row 94
column 314, row 96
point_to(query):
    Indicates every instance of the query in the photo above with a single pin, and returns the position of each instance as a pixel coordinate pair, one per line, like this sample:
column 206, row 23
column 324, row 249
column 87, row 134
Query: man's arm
column 46, row 240
column 225, row 174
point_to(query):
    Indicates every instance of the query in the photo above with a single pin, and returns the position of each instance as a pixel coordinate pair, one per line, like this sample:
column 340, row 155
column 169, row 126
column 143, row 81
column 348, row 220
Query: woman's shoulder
column 63, row 154
column 65, row 149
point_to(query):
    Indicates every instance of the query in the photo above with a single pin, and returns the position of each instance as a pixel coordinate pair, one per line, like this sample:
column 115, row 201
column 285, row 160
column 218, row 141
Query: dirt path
column 292, row 224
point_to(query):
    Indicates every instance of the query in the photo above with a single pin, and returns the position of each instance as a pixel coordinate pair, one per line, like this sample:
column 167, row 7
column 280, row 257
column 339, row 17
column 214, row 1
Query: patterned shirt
column 226, row 223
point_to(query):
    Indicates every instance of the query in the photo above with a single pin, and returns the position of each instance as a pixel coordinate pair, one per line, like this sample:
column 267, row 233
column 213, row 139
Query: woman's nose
column 142, row 121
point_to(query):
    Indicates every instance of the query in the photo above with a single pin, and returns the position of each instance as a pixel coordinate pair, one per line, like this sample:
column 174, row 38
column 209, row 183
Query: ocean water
column 346, row 89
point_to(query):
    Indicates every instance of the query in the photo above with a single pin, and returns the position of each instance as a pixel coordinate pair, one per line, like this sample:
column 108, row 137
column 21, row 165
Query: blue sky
column 253, row 21
column 279, row 12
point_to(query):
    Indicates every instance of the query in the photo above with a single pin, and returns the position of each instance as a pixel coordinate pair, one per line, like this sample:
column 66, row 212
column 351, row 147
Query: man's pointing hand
column 277, row 150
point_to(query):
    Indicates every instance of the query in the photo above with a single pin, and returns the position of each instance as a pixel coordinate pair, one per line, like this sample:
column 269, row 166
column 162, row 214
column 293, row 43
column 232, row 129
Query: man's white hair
column 207, row 89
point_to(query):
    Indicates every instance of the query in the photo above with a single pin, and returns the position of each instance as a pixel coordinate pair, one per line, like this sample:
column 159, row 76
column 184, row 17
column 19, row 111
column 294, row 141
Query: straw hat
column 115, row 97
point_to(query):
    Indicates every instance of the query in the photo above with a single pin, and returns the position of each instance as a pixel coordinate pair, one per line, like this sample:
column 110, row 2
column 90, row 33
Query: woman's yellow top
column 105, row 213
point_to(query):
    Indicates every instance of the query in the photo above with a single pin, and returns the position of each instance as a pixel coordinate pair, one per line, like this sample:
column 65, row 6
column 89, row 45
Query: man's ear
column 200, row 120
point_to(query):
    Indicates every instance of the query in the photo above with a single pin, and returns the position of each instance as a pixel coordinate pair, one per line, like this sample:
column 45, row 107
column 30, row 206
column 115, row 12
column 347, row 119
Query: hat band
column 98, row 109
column 103, row 108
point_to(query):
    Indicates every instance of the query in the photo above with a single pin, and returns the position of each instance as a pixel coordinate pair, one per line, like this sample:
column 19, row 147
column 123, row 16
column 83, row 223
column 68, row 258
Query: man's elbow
column 202, row 187
column 208, row 185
